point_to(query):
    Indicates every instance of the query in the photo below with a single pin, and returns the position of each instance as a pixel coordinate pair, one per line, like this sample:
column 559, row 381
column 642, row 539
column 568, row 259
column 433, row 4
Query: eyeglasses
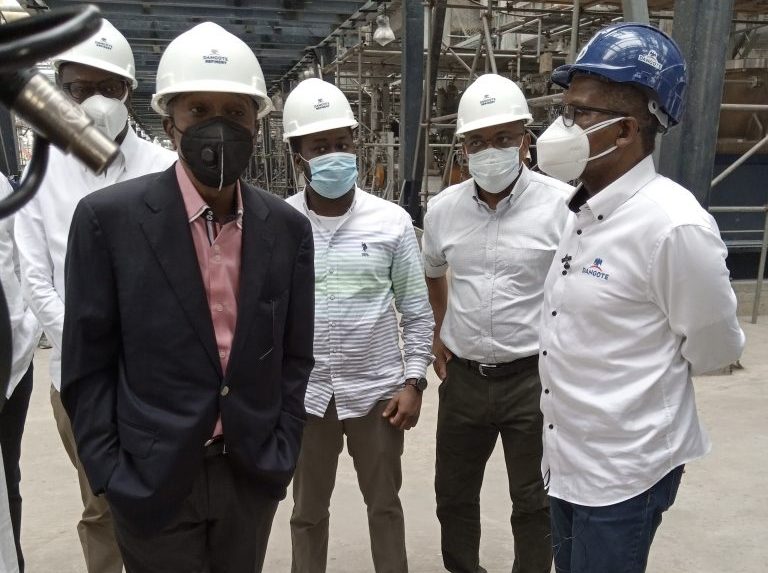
column 111, row 88
column 499, row 141
column 571, row 112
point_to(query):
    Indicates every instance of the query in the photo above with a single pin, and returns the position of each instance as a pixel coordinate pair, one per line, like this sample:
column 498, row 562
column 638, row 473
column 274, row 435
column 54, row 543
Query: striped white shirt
column 366, row 267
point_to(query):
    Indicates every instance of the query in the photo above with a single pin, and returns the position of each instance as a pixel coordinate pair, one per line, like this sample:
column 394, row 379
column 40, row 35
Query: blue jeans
column 612, row 539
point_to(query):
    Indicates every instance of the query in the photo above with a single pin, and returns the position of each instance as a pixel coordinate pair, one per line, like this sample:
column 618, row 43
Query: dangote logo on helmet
column 215, row 58
column 321, row 104
column 487, row 100
column 103, row 43
column 651, row 58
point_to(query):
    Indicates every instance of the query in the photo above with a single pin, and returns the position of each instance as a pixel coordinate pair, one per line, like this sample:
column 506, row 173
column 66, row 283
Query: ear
column 168, row 128
column 629, row 132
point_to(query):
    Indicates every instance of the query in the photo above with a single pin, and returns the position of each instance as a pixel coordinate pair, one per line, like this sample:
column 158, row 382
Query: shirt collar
column 517, row 190
column 602, row 204
column 194, row 204
column 359, row 193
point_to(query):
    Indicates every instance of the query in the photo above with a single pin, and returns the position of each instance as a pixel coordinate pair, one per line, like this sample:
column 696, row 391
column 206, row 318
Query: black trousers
column 12, row 420
column 474, row 411
column 223, row 527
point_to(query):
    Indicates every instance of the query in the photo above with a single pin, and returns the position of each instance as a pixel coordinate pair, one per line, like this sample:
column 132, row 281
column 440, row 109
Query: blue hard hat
column 637, row 54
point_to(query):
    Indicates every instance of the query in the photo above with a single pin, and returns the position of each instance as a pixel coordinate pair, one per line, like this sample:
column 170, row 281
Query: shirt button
column 220, row 307
column 332, row 297
column 217, row 258
column 544, row 353
column 333, row 324
column 567, row 265
column 330, row 272
column 554, row 313
column 578, row 232
column 599, row 217
column 222, row 354
column 217, row 248
column 546, row 391
column 224, row 391
column 551, row 427
column 565, row 273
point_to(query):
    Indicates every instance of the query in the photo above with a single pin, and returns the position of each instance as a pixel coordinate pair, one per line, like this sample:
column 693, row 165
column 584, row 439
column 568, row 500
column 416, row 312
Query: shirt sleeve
column 37, row 271
column 435, row 263
column 690, row 282
column 412, row 300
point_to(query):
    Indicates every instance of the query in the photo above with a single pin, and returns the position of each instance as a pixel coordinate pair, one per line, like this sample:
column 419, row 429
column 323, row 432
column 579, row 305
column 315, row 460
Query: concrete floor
column 719, row 523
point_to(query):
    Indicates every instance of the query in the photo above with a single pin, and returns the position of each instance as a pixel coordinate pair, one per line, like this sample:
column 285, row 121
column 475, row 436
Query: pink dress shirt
column 218, row 247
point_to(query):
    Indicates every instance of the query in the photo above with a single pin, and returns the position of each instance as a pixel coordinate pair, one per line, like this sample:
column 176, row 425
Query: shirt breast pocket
column 524, row 270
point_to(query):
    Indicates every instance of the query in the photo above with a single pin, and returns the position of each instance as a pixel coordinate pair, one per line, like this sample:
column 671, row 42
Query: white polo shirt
column 498, row 260
column 644, row 303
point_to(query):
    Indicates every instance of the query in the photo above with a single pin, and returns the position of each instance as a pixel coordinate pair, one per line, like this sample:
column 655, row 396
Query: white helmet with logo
column 207, row 58
column 107, row 50
column 491, row 100
column 313, row 106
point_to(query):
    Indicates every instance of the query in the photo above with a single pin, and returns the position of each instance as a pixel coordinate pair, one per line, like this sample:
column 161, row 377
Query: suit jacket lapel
column 167, row 230
column 258, row 239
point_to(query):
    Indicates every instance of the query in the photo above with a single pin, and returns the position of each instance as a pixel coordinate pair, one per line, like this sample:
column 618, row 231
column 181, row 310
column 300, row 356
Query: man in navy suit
column 189, row 328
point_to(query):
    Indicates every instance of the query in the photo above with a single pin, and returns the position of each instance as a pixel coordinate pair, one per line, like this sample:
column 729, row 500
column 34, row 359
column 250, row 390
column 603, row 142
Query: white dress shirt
column 25, row 330
column 644, row 303
column 364, row 262
column 498, row 260
column 42, row 227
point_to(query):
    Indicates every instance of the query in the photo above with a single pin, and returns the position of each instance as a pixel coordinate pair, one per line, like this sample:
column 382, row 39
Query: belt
column 215, row 447
column 500, row 369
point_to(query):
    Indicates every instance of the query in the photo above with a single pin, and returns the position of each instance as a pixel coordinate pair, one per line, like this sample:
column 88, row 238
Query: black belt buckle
column 481, row 368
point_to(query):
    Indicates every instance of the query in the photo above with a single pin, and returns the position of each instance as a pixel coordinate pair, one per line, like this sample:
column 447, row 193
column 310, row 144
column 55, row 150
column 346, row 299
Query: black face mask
column 217, row 151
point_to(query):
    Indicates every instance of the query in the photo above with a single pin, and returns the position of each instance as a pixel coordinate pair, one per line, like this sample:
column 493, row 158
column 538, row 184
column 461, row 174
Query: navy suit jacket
column 141, row 376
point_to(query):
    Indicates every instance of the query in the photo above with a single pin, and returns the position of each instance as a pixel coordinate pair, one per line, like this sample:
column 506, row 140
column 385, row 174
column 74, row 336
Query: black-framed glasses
column 499, row 141
column 111, row 88
column 571, row 112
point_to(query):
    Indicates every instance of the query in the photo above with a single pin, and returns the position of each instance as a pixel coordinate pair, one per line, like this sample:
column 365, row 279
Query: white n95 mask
column 563, row 152
column 494, row 169
column 108, row 114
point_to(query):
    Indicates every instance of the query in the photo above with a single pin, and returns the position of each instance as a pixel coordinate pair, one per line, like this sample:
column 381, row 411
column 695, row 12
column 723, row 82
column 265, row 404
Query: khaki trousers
column 96, row 530
column 375, row 446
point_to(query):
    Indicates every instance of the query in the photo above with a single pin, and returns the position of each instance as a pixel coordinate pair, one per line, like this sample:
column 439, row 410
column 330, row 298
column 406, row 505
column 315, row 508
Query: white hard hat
column 313, row 106
column 491, row 100
column 107, row 50
column 207, row 58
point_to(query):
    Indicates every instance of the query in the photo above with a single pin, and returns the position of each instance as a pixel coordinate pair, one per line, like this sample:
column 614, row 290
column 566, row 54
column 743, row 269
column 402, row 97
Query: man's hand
column 442, row 356
column 404, row 408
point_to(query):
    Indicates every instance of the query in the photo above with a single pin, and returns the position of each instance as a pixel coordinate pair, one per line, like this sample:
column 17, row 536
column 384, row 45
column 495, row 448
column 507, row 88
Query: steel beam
column 688, row 151
column 635, row 11
column 412, row 89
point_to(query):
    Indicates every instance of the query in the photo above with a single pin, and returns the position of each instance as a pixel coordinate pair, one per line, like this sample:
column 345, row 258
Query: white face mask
column 108, row 114
column 494, row 169
column 563, row 152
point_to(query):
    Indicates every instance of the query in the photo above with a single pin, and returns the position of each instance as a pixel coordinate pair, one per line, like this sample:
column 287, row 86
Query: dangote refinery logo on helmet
column 651, row 58
column 487, row 100
column 215, row 58
column 321, row 104
column 102, row 43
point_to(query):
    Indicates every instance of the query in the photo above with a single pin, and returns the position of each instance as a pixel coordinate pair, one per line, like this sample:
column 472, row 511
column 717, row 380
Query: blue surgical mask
column 333, row 174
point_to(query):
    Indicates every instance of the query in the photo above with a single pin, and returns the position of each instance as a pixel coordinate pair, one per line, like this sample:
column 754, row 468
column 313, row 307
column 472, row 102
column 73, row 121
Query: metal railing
column 763, row 249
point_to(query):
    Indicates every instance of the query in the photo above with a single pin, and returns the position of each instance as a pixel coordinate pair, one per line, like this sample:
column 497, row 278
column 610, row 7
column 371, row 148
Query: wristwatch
column 420, row 384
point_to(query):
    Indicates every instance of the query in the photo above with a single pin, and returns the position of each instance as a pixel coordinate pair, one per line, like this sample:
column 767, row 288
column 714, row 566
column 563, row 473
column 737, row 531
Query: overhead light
column 383, row 34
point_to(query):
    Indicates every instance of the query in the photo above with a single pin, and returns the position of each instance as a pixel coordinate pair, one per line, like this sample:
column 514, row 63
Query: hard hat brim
column 320, row 126
column 96, row 63
column 160, row 100
column 494, row 120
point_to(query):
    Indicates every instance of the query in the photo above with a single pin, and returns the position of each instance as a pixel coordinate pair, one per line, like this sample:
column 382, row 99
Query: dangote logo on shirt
column 365, row 250
column 596, row 270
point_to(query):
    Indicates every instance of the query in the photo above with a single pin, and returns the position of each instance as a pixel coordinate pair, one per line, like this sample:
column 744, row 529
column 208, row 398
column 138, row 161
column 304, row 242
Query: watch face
column 421, row 384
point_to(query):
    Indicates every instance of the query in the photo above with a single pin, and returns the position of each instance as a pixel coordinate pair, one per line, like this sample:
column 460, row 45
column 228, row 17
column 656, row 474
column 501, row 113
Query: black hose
column 28, row 41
